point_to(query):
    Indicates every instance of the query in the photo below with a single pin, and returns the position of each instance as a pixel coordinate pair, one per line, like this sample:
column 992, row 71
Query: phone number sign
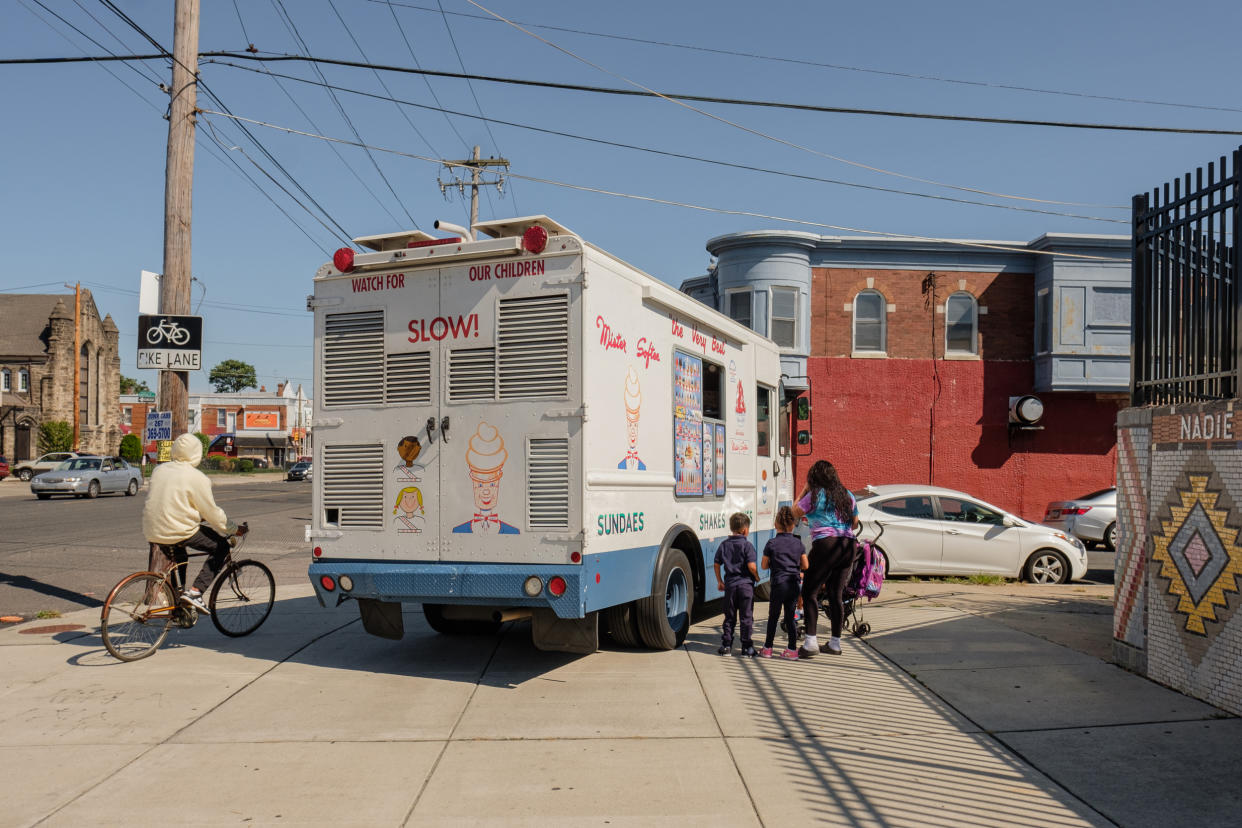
column 170, row 342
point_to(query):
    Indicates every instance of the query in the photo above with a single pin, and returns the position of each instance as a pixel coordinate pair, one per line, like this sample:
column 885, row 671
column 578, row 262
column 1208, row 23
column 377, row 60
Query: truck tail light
column 327, row 582
column 533, row 586
column 556, row 586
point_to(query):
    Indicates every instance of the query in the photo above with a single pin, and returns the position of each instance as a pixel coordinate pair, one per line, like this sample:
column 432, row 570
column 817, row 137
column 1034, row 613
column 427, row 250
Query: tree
column 204, row 439
column 232, row 375
column 131, row 448
column 55, row 435
column 129, row 385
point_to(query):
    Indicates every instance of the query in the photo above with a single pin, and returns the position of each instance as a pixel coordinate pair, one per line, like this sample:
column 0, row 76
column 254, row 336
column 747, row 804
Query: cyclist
column 181, row 510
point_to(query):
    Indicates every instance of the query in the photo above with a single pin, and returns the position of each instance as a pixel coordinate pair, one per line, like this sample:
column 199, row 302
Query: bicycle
column 144, row 606
column 167, row 330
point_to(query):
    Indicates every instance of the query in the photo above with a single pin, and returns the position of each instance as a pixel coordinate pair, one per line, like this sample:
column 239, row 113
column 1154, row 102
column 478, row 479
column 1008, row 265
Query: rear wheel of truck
column 434, row 613
column 623, row 625
column 664, row 615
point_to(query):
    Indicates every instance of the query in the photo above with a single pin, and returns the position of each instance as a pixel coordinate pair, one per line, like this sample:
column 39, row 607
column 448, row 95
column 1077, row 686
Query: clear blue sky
column 83, row 156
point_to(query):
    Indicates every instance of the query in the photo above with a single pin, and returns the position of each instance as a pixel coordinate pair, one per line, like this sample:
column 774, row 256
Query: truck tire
column 622, row 625
column 434, row 613
column 664, row 616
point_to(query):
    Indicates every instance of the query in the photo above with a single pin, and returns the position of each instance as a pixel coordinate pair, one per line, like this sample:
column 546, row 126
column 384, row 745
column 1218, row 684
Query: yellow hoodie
column 179, row 497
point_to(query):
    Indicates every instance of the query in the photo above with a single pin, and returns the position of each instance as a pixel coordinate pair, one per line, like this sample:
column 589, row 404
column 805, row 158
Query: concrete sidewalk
column 945, row 715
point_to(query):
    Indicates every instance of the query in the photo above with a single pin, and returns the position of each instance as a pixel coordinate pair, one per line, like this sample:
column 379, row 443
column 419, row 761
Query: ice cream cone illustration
column 633, row 408
column 485, row 457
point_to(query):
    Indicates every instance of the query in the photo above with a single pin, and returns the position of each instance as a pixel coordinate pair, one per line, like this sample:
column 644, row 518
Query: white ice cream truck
column 513, row 423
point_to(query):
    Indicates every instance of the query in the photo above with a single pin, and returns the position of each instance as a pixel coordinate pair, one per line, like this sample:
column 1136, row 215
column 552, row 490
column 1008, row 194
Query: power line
column 684, row 156
column 821, row 65
column 410, row 48
column 698, row 207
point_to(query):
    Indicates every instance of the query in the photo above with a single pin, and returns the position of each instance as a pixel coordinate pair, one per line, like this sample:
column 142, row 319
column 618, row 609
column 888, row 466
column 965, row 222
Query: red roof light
column 433, row 242
column 535, row 239
column 343, row 259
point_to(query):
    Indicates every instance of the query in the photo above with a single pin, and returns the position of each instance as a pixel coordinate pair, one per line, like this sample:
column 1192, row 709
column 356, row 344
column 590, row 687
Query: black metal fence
column 1185, row 316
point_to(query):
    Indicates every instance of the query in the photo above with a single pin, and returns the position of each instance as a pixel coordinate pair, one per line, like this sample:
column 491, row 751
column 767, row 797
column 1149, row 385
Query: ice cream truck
column 513, row 423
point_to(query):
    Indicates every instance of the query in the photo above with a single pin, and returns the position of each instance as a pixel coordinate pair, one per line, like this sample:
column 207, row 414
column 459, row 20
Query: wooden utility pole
column 174, row 392
column 77, row 364
column 476, row 165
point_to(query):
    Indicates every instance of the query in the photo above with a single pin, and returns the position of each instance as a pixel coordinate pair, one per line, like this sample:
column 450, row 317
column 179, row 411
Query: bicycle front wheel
column 242, row 598
column 136, row 616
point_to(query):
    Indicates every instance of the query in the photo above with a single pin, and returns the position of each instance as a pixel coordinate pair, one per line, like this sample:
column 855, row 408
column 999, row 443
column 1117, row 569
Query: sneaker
column 790, row 655
column 195, row 599
column 750, row 652
column 724, row 650
column 766, row 652
column 803, row 652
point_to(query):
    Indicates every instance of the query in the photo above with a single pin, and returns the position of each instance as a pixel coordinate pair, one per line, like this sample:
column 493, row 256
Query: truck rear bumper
column 490, row 585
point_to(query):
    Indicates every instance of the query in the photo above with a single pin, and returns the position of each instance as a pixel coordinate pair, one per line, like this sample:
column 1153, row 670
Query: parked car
column 299, row 471
column 259, row 462
column 4, row 467
column 29, row 468
column 88, row 476
column 1091, row 518
column 929, row 530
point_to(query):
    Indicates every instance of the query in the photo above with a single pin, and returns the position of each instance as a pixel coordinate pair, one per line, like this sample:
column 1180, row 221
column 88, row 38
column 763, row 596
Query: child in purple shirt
column 785, row 556
column 736, row 557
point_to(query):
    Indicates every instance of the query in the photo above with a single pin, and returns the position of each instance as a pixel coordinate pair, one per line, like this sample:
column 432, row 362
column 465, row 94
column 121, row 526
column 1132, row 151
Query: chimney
column 262, row 388
column 280, row 388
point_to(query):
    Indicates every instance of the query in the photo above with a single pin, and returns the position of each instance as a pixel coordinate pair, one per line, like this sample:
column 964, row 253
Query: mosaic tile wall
column 1130, row 570
column 1190, row 632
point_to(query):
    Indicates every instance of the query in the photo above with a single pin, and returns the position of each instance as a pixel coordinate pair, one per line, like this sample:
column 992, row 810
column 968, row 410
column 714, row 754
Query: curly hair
column 822, row 477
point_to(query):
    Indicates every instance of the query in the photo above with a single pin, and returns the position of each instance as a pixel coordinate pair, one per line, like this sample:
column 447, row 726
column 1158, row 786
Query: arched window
column 6, row 380
column 23, row 380
column 870, row 326
column 97, row 386
column 961, row 324
column 84, row 384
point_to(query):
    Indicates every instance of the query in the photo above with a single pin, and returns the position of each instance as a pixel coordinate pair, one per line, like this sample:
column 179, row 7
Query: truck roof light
column 343, row 259
column 434, row 242
column 556, row 586
column 535, row 239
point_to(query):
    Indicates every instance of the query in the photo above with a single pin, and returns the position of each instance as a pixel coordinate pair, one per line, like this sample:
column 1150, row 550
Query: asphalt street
column 66, row 553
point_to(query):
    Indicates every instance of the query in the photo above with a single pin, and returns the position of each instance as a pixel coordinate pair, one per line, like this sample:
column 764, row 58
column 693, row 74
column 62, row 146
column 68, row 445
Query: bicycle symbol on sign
column 168, row 330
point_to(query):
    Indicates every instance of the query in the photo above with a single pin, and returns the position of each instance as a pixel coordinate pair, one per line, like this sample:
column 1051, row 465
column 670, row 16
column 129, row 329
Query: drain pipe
column 448, row 226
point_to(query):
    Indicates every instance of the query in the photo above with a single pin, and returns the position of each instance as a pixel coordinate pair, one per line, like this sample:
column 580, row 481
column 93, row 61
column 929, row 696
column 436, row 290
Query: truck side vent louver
column 353, row 358
column 409, row 378
column 472, row 374
column 532, row 338
column 547, row 483
column 353, row 484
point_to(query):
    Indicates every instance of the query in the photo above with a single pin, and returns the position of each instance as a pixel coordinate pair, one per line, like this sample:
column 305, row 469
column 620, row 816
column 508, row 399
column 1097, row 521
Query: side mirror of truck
column 804, row 437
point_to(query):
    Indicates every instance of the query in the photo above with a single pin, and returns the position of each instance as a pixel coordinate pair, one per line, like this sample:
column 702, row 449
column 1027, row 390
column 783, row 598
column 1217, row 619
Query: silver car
column 929, row 530
column 1091, row 518
column 29, row 468
column 88, row 477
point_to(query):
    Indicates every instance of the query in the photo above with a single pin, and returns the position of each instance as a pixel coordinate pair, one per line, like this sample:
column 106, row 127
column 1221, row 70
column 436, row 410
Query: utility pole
column 174, row 394
column 476, row 165
column 77, row 364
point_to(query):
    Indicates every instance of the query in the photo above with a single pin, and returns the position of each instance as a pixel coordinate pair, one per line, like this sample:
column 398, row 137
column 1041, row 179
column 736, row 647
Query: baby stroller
column 864, row 582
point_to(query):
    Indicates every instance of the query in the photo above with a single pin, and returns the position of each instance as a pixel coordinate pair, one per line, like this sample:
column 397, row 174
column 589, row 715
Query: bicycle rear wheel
column 242, row 598
column 136, row 616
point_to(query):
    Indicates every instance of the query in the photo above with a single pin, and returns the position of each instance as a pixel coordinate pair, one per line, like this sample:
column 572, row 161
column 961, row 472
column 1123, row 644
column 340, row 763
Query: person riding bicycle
column 179, row 503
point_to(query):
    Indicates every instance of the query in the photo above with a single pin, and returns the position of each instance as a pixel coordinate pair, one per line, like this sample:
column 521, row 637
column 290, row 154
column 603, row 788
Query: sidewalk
column 948, row 714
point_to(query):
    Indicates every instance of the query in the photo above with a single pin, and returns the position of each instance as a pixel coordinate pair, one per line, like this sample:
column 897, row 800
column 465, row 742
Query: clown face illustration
column 633, row 408
column 485, row 456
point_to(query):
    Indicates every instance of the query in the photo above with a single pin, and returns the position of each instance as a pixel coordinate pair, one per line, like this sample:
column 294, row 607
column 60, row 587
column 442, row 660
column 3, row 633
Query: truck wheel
column 434, row 613
column 623, row 626
column 664, row 616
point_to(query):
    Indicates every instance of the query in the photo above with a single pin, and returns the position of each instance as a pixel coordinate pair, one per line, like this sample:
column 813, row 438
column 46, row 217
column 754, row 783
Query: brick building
column 911, row 352
column 274, row 426
column 37, row 382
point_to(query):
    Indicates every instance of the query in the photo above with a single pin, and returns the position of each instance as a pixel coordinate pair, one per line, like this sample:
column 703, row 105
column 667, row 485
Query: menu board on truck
column 688, row 456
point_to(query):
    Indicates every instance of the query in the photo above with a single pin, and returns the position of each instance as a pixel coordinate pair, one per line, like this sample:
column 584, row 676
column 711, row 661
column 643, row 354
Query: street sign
column 169, row 342
column 159, row 426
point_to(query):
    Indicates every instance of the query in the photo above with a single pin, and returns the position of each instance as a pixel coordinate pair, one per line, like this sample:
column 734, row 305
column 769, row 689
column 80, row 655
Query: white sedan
column 928, row 530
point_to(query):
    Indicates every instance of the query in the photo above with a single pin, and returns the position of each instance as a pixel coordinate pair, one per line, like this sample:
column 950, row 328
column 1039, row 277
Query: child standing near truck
column 736, row 557
column 785, row 556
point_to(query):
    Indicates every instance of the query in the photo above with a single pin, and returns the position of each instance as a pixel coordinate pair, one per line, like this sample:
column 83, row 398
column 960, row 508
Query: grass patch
column 47, row 614
column 977, row 579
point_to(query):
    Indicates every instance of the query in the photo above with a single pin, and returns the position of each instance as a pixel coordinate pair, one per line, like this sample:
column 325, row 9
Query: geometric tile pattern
column 1133, row 456
column 1198, row 554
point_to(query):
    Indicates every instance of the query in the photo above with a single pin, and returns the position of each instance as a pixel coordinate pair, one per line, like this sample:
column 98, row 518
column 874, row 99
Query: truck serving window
column 763, row 421
column 698, row 427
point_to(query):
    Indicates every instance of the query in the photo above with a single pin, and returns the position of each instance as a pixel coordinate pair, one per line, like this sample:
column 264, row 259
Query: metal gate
column 1185, row 298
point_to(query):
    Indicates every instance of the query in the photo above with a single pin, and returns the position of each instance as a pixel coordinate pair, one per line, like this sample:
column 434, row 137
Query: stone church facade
column 37, row 382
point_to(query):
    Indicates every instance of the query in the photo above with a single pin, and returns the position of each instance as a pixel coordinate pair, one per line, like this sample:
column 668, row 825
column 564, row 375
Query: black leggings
column 832, row 560
column 784, row 589
column 207, row 540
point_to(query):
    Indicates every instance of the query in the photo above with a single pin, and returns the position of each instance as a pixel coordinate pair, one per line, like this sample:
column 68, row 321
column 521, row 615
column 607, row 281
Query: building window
column 6, row 380
column 961, row 323
column 222, row 417
column 1043, row 322
column 870, row 331
column 785, row 317
column 84, row 385
column 23, row 380
column 740, row 307
column 127, row 415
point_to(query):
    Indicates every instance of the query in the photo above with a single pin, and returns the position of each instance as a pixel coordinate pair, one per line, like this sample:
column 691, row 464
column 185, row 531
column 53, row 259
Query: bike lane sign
column 159, row 426
column 170, row 342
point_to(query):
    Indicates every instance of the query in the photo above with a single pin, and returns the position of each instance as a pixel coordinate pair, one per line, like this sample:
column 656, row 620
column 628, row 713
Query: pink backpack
column 868, row 576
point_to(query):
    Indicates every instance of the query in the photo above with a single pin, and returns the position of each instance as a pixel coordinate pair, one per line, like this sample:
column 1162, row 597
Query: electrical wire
column 670, row 154
column 698, row 207
column 410, row 48
column 820, row 65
